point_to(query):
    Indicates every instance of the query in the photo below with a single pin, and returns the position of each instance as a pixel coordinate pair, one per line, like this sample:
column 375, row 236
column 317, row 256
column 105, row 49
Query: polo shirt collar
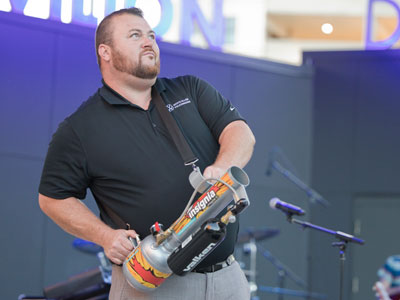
column 113, row 98
column 159, row 85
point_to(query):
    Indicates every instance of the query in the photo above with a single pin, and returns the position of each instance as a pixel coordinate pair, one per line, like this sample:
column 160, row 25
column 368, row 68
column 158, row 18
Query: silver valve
column 156, row 228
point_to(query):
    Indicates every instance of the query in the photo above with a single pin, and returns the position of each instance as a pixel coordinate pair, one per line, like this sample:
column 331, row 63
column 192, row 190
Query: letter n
column 18, row 5
column 213, row 32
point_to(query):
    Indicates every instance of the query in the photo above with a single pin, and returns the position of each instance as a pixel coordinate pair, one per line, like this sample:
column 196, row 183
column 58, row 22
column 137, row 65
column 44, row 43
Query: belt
column 217, row 266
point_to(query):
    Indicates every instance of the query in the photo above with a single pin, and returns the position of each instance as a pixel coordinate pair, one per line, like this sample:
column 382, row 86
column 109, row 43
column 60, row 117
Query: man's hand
column 117, row 245
column 75, row 218
column 213, row 172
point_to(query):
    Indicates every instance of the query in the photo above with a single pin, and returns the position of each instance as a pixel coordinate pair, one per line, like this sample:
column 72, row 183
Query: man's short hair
column 104, row 30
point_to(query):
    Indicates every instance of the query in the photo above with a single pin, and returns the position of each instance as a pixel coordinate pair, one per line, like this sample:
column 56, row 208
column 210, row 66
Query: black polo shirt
column 127, row 158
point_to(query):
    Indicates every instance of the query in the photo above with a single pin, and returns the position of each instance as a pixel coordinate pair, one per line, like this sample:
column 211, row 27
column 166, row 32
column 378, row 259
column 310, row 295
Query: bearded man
column 117, row 145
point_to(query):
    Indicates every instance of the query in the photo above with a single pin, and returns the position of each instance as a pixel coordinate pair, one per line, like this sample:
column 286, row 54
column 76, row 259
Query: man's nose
column 147, row 42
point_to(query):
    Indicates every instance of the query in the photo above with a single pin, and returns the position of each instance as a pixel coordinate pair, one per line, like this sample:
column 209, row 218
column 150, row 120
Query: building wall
column 48, row 69
column 355, row 164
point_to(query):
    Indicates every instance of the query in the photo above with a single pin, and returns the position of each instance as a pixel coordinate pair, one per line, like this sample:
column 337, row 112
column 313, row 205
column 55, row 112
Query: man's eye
column 152, row 36
column 135, row 35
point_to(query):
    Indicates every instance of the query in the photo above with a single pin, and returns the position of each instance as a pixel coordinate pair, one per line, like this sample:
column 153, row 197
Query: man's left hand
column 213, row 172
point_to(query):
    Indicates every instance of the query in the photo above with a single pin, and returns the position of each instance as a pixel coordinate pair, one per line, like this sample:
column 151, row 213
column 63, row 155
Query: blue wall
column 336, row 119
column 48, row 69
column 356, row 148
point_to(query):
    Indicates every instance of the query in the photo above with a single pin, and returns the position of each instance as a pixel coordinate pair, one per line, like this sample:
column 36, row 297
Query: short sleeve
column 215, row 110
column 65, row 169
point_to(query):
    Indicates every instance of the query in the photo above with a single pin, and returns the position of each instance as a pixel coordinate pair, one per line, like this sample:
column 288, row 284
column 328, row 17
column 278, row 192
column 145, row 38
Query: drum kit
column 95, row 283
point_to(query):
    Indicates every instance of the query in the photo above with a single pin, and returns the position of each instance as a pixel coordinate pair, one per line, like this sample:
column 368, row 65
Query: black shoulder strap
column 180, row 142
column 121, row 224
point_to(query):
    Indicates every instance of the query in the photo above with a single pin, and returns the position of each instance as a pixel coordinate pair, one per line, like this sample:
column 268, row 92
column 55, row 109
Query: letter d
column 390, row 41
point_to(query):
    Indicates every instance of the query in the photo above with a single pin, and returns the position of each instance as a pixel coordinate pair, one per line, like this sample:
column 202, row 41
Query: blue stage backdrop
column 49, row 68
column 332, row 120
column 355, row 164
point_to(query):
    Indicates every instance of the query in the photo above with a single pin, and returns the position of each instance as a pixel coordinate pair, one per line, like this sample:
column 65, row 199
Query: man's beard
column 122, row 64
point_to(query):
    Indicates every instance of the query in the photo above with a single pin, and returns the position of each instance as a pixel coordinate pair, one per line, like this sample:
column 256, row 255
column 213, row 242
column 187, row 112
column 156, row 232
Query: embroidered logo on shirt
column 177, row 104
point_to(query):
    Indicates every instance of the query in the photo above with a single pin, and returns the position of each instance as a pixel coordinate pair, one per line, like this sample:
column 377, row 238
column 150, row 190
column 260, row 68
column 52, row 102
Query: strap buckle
column 230, row 260
column 192, row 163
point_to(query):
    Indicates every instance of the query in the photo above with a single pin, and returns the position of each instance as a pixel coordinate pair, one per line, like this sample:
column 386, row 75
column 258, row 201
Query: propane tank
column 146, row 267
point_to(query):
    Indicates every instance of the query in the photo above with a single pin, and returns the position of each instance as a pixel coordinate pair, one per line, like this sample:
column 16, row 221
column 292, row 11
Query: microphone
column 287, row 208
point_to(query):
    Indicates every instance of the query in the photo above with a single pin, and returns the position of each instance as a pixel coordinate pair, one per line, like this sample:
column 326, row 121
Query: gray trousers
column 229, row 283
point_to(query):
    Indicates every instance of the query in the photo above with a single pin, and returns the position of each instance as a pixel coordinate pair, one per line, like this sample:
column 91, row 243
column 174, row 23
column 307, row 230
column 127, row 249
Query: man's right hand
column 77, row 219
column 116, row 244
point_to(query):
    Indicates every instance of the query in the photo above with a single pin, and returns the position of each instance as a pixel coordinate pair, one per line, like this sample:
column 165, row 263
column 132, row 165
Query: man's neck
column 133, row 89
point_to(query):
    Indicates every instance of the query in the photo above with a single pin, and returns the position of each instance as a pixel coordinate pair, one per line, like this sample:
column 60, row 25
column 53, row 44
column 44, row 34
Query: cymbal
column 256, row 234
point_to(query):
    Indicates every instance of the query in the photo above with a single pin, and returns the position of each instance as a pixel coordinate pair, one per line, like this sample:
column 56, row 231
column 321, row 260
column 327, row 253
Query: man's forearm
column 236, row 147
column 75, row 218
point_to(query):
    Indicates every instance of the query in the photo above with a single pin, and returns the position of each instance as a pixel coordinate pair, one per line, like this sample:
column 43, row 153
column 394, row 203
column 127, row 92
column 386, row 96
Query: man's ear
column 104, row 52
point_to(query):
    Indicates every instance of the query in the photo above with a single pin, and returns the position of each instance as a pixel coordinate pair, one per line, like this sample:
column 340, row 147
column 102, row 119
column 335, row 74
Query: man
column 117, row 145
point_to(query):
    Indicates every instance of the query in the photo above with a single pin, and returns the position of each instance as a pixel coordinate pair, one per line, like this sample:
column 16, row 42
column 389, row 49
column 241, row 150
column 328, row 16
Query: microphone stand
column 343, row 237
column 283, row 271
column 313, row 195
